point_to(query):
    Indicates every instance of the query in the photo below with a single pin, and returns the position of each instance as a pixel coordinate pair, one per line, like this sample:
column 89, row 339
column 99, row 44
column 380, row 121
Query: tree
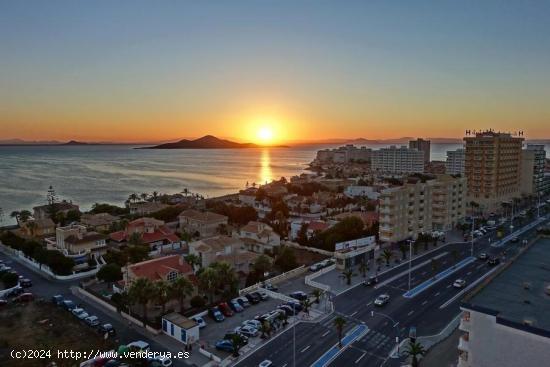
column 238, row 342
column 285, row 259
column 226, row 279
column 144, row 196
column 121, row 301
column 197, row 302
column 141, row 292
column 317, row 293
column 208, row 280
column 137, row 253
column 414, row 350
column 24, row 215
column 262, row 265
column 347, row 274
column 180, row 289
column 9, row 280
column 73, row 216
column 15, row 215
column 306, row 304
column 387, row 254
column 265, row 329
column 403, row 248
column 193, row 260
column 32, row 227
column 161, row 293
column 302, row 237
column 339, row 323
column 135, row 239
column 283, row 317
column 133, row 197
column 363, row 268
column 109, row 273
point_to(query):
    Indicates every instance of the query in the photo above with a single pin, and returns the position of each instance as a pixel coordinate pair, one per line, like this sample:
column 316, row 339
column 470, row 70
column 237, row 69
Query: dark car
column 371, row 281
column 225, row 309
column 225, row 345
column 235, row 306
column 25, row 283
column 253, row 298
column 107, row 328
column 493, row 261
column 288, row 310
column 229, row 336
column 57, row 299
column 295, row 305
column 483, row 256
column 25, row 297
column 68, row 304
column 299, row 295
column 215, row 313
column 270, row 287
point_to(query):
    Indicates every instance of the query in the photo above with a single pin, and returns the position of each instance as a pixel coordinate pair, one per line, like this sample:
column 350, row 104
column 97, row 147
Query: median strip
column 354, row 334
column 440, row 276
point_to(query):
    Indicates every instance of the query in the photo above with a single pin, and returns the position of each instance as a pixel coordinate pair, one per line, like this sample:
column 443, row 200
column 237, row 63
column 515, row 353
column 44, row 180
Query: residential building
column 435, row 167
column 455, row 162
column 345, row 154
column 423, row 146
column 223, row 249
column 99, row 222
column 533, row 159
column 505, row 322
column 201, row 224
column 75, row 241
column 259, row 237
column 168, row 268
column 369, row 218
column 493, row 168
column 422, row 206
column 248, row 196
column 180, row 328
column 397, row 160
column 146, row 207
column 38, row 227
column 150, row 231
column 45, row 211
column 361, row 191
column 312, row 227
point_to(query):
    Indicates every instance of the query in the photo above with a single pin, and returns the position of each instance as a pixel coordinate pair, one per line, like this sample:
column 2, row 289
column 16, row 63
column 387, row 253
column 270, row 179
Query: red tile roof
column 157, row 269
column 317, row 226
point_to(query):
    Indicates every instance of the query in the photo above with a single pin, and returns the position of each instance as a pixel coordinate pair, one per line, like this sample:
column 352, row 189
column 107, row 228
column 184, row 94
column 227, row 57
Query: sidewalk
column 338, row 284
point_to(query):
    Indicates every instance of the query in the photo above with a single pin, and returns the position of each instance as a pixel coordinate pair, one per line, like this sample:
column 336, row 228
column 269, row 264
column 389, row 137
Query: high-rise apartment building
column 413, row 208
column 397, row 160
column 454, row 165
column 533, row 159
column 492, row 167
column 423, row 146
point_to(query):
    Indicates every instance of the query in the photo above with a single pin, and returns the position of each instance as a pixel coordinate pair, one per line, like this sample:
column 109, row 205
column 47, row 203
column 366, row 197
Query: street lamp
column 395, row 324
column 410, row 261
column 473, row 227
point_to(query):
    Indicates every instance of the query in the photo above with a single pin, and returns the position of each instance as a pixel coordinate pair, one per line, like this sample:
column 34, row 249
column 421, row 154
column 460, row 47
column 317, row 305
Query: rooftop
column 180, row 320
column 517, row 295
column 205, row 217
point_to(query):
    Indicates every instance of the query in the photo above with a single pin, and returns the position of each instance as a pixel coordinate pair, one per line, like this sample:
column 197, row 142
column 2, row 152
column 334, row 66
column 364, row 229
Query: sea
column 87, row 174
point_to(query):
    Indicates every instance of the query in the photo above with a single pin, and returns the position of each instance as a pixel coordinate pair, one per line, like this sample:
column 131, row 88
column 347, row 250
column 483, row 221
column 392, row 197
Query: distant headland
column 208, row 142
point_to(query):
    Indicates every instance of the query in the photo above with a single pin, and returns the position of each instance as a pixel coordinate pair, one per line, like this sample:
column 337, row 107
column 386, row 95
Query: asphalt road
column 429, row 311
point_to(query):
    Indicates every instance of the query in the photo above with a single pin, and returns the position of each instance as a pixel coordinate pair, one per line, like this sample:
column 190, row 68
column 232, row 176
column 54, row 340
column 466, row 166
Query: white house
column 361, row 191
column 180, row 328
column 259, row 237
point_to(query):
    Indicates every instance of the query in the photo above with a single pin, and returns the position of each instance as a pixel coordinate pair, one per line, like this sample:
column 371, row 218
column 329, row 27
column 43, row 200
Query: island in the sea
column 208, row 142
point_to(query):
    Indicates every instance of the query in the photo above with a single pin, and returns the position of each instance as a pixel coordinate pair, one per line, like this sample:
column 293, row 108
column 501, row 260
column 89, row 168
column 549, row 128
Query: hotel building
column 397, row 160
column 533, row 159
column 454, row 165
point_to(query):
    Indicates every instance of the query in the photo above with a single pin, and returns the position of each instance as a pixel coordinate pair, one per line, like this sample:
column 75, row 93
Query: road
column 429, row 311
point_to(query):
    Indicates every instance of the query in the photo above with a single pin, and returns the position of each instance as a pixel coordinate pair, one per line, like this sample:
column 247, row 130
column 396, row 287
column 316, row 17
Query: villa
column 98, row 222
column 201, row 224
column 76, row 242
column 44, row 211
column 167, row 268
column 259, row 237
column 223, row 248
column 152, row 232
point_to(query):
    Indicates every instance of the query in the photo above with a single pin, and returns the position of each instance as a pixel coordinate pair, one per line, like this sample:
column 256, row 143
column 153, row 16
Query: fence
column 275, row 280
column 310, row 249
column 309, row 278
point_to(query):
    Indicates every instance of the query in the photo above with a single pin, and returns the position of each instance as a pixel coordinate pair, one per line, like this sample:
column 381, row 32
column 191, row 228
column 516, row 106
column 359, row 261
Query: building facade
column 414, row 208
column 422, row 145
column 205, row 224
column 397, row 160
column 346, row 154
column 454, row 165
column 492, row 167
column 533, row 159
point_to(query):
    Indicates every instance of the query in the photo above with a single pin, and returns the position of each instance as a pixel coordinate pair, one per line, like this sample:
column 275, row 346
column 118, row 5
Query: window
column 164, row 325
column 172, row 329
column 173, row 275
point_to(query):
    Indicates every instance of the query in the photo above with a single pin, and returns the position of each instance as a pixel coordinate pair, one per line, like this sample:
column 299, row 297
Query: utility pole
column 410, row 261
column 473, row 227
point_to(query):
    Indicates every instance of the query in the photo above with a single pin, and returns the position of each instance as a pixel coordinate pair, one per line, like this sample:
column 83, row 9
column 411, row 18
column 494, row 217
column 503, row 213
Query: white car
column 382, row 299
column 164, row 361
column 92, row 320
column 254, row 323
column 200, row 321
column 459, row 283
column 247, row 330
column 265, row 363
column 77, row 311
column 140, row 344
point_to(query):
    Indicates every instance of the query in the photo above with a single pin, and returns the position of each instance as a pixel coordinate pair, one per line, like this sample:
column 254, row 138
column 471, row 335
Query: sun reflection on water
column 266, row 174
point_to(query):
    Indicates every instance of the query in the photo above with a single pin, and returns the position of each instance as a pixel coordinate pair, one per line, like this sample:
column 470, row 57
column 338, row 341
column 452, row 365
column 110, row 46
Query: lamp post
column 410, row 261
column 473, row 227
column 395, row 324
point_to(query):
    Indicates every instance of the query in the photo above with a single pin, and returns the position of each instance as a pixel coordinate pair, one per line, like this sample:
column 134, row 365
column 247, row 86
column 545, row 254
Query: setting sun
column 265, row 134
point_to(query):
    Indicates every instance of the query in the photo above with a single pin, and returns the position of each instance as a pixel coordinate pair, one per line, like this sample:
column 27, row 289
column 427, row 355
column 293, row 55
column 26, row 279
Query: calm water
column 89, row 174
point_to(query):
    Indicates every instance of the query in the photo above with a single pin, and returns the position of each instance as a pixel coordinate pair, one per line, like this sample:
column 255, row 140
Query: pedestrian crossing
column 376, row 343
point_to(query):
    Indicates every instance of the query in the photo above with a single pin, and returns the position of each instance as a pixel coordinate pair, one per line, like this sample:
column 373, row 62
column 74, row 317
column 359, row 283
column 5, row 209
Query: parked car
column 483, row 256
column 160, row 361
column 371, row 281
column 243, row 301
column 295, row 305
column 68, row 304
column 299, row 295
column 77, row 311
column 459, row 283
column 515, row 239
column 253, row 298
column 254, row 323
column 257, row 295
column 25, row 297
column 25, row 283
column 247, row 330
column 139, row 345
column 236, row 306
column 225, row 309
column 225, row 345
column 493, row 261
column 313, row 268
column 288, row 310
column 200, row 321
column 92, row 320
column 266, row 363
column 263, row 295
column 57, row 299
column 107, row 328
column 216, row 314
column 270, row 287
column 382, row 299
column 229, row 335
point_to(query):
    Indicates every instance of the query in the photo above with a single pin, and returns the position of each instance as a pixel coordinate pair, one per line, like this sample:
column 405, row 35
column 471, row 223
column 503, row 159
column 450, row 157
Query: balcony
column 464, row 342
column 465, row 322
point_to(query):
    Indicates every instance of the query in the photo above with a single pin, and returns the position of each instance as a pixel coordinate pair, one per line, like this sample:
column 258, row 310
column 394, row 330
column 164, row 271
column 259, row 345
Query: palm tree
column 339, row 323
column 193, row 260
column 208, row 281
column 227, row 278
column 238, row 342
column 262, row 264
column 15, row 214
column 141, row 292
column 364, row 268
column 415, row 350
column 284, row 318
column 317, row 294
column 155, row 196
column 161, row 291
column 306, row 304
column 185, row 191
column 180, row 289
column 133, row 197
column 24, row 215
column 403, row 249
column 144, row 196
column 347, row 274
column 387, row 254
column 265, row 328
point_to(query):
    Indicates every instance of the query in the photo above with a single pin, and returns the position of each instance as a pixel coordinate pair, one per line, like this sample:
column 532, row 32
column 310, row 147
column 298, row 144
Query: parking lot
column 215, row 331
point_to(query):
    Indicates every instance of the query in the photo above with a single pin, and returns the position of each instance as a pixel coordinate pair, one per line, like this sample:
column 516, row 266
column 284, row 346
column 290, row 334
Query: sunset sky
column 277, row 70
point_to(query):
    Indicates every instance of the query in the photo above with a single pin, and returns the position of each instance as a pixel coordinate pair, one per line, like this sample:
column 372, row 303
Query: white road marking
column 437, row 294
column 459, row 294
column 480, row 266
column 325, row 334
column 284, row 365
column 306, row 348
column 468, row 273
column 361, row 357
column 370, row 303
column 423, row 303
column 449, row 286
column 353, row 314
column 410, row 313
